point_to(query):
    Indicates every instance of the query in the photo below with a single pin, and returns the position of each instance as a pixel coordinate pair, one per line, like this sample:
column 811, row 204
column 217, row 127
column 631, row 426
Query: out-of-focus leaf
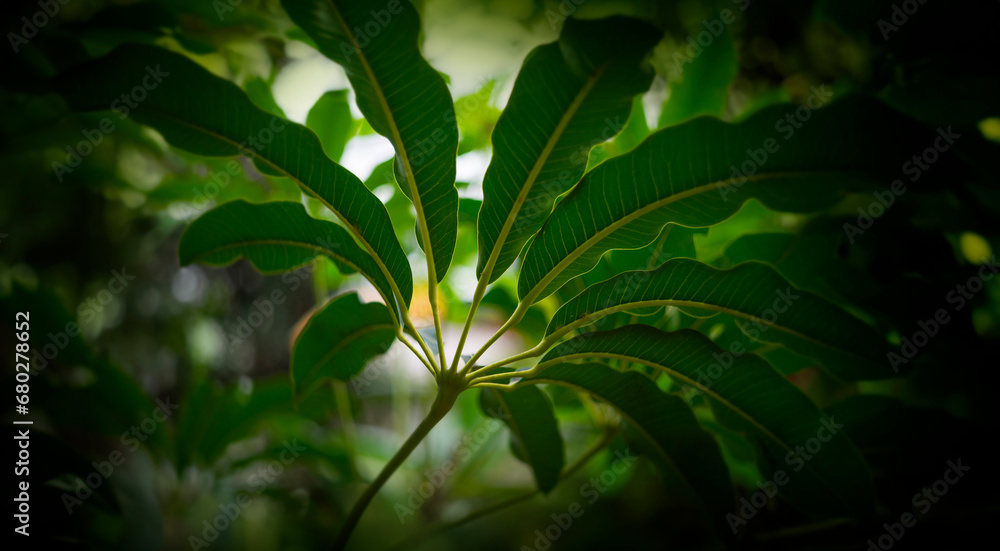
column 807, row 259
column 259, row 92
column 476, row 118
column 210, row 116
column 215, row 417
column 534, row 431
column 338, row 341
column 703, row 85
column 330, row 118
column 635, row 130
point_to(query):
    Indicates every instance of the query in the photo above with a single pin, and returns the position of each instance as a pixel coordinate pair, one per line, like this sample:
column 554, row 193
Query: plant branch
column 347, row 423
column 420, row 341
column 430, row 366
column 482, row 374
column 495, row 386
column 443, row 402
column 432, row 297
column 516, row 317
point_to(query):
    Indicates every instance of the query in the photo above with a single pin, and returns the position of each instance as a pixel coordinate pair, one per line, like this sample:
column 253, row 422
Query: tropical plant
column 601, row 241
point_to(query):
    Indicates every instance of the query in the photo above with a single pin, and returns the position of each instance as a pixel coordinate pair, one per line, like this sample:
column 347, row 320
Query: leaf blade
column 563, row 102
column 534, row 431
column 384, row 71
column 206, row 115
column 744, row 397
column 703, row 86
column 752, row 291
column 275, row 237
column 686, row 174
column 359, row 331
column 687, row 454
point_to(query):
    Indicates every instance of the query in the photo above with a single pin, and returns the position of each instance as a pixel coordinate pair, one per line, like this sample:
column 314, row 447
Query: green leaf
column 699, row 173
column 476, row 118
column 631, row 135
column 746, row 394
column 213, row 417
column 534, row 431
column 403, row 98
column 771, row 311
column 703, row 86
column 687, row 455
column 330, row 118
column 338, row 341
column 206, row 115
column 277, row 237
column 259, row 92
column 569, row 96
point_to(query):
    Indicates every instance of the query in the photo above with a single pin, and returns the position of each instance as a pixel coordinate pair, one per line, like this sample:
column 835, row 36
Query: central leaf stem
column 448, row 391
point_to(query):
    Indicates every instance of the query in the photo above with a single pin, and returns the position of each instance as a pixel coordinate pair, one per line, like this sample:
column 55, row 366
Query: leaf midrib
column 355, row 335
column 398, row 141
column 540, row 162
column 615, row 225
column 309, row 191
column 594, row 316
column 287, row 242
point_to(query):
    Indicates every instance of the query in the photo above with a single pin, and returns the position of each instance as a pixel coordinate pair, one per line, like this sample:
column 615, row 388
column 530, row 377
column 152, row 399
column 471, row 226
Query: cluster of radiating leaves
column 597, row 235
